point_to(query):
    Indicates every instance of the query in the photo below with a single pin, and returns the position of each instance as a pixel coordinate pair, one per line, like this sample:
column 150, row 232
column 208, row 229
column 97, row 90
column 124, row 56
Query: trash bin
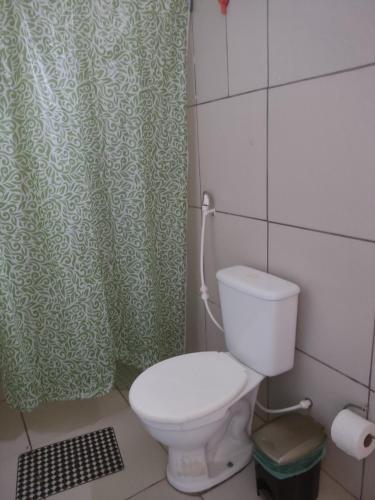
column 287, row 453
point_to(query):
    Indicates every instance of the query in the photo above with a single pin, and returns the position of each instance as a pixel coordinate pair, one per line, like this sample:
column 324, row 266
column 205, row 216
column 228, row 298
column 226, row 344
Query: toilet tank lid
column 257, row 283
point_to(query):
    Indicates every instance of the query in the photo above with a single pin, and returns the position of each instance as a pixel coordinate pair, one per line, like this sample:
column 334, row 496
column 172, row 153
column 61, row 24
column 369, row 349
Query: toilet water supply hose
column 208, row 209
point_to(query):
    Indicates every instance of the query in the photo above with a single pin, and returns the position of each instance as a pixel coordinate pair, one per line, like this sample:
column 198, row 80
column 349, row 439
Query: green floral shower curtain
column 92, row 192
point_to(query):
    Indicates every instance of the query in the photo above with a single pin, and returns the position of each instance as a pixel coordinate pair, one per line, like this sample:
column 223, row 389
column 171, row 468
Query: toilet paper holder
column 363, row 408
column 370, row 437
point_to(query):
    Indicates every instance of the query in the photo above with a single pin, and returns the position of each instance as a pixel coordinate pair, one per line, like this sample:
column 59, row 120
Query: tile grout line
column 267, row 133
column 145, row 489
column 26, row 430
column 338, row 483
column 198, row 497
column 311, row 356
column 332, row 368
column 122, row 395
column 324, row 75
column 268, row 383
column 195, row 100
column 368, row 409
column 292, row 82
column 232, row 214
column 322, row 231
column 294, row 226
column 371, row 366
column 226, row 45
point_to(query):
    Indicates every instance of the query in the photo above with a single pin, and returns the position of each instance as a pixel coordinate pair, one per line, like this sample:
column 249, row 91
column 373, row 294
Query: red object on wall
column 223, row 6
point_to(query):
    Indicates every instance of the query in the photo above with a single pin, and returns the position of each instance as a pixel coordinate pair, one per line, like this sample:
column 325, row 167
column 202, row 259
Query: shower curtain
column 92, row 192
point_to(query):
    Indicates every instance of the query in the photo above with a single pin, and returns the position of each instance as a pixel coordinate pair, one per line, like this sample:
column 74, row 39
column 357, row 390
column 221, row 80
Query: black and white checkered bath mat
column 60, row 466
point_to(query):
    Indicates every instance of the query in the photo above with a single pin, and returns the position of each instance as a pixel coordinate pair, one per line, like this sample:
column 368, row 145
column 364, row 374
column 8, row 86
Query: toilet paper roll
column 353, row 434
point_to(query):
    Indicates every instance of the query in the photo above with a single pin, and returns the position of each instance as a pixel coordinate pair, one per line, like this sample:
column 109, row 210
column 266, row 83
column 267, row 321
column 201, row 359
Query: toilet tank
column 259, row 315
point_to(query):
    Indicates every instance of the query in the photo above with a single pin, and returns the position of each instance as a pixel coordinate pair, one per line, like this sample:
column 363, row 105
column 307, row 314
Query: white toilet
column 201, row 405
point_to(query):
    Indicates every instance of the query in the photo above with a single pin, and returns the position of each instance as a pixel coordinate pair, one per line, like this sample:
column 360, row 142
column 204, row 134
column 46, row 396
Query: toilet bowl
column 200, row 406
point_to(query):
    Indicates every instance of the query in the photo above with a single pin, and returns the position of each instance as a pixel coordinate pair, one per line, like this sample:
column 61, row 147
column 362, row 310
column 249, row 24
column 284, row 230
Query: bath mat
column 60, row 466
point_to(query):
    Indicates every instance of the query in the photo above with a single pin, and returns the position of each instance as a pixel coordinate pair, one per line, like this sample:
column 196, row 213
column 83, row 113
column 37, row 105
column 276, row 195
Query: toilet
column 201, row 405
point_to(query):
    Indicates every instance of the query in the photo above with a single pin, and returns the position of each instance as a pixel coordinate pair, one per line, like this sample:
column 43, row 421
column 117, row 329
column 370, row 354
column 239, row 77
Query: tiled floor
column 145, row 460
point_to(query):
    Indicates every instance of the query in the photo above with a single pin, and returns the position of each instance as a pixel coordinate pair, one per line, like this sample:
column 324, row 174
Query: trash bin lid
column 289, row 438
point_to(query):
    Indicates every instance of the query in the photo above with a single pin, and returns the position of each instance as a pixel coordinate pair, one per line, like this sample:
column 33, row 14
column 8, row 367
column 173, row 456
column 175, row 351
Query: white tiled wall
column 247, row 27
column 285, row 144
column 369, row 482
column 330, row 392
column 321, row 153
column 313, row 37
column 232, row 152
column 336, row 305
column 210, row 51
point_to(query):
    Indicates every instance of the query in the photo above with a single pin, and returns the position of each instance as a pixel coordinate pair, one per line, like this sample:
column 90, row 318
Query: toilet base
column 191, row 482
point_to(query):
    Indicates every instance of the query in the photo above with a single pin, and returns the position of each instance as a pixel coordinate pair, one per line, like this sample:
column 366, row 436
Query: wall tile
column 263, row 399
column 306, row 380
column 194, row 186
column 322, row 153
column 313, row 37
column 210, row 51
column 195, row 323
column 232, row 240
column 215, row 340
column 247, row 45
column 232, row 149
column 193, row 243
column 369, row 481
column 336, row 306
column 190, row 71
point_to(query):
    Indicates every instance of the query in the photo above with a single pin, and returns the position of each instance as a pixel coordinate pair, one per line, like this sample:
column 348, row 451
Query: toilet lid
column 187, row 387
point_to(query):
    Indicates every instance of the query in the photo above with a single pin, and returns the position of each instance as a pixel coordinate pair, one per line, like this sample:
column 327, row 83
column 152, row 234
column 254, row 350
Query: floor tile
column 331, row 490
column 52, row 422
column 242, row 486
column 144, row 458
column 13, row 439
column 125, row 393
column 163, row 491
column 8, row 478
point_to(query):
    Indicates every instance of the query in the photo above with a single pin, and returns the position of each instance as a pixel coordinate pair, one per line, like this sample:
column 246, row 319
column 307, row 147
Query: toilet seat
column 187, row 387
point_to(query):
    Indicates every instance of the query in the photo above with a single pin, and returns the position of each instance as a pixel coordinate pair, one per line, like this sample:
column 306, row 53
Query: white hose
column 305, row 403
column 204, row 289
